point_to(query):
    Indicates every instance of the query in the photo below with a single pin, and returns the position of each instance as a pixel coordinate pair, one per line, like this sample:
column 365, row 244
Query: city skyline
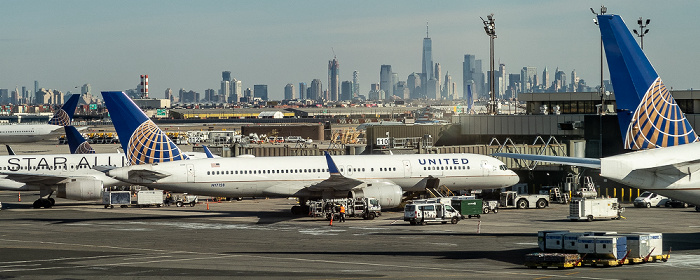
column 179, row 44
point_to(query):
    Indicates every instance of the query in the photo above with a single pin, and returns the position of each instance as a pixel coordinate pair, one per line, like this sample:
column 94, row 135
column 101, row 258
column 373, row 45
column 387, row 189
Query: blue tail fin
column 76, row 141
column 648, row 115
column 141, row 139
column 64, row 116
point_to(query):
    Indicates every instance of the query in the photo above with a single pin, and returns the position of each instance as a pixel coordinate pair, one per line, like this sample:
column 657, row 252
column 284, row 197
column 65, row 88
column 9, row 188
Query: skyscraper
column 528, row 79
column 385, row 80
column 289, row 92
column 447, row 90
column 472, row 75
column 316, row 92
column 355, row 84
column 346, row 90
column 236, row 91
column 302, row 91
column 226, row 75
column 545, row 79
column 413, row 82
column 260, row 91
column 225, row 88
column 333, row 79
column 427, row 55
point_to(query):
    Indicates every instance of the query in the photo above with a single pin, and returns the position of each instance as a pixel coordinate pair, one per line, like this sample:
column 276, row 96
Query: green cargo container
column 469, row 207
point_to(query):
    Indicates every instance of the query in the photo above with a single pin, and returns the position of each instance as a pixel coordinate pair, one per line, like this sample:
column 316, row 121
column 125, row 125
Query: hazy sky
column 187, row 44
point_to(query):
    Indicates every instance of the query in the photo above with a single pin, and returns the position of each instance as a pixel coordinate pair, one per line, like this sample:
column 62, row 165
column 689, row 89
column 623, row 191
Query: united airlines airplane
column 157, row 162
column 27, row 133
column 649, row 118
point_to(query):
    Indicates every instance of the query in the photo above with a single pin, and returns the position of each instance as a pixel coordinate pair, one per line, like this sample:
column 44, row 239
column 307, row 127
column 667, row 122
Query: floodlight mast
column 490, row 28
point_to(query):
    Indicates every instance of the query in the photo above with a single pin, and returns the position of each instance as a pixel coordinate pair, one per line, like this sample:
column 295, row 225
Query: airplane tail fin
column 647, row 113
column 76, row 141
column 142, row 140
column 64, row 116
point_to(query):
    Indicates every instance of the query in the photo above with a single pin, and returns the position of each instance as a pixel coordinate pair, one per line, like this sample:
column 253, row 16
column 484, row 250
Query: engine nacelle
column 389, row 195
column 81, row 189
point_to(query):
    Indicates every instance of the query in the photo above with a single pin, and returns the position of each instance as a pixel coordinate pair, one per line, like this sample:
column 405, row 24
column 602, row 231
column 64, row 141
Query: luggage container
column 469, row 207
column 542, row 237
column 656, row 241
column 610, row 247
column 586, row 245
column 571, row 241
column 554, row 242
column 111, row 198
column 638, row 246
column 148, row 198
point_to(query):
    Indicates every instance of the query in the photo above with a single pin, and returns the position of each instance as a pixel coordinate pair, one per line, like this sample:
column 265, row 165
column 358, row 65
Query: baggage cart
column 121, row 198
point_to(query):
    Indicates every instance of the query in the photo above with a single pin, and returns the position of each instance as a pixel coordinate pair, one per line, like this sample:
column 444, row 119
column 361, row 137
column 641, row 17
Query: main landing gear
column 301, row 209
column 44, row 203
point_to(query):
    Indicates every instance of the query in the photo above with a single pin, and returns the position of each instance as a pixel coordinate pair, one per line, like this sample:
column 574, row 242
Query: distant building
column 385, row 80
column 289, row 92
column 355, row 84
column 413, row 82
column 346, row 90
column 236, row 91
column 302, row 90
column 316, row 90
column 473, row 74
column 427, row 55
column 260, row 91
column 333, row 79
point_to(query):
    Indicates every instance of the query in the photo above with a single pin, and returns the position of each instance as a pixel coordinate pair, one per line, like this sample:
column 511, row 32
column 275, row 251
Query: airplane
column 158, row 163
column 27, row 133
column 69, row 176
column 666, row 161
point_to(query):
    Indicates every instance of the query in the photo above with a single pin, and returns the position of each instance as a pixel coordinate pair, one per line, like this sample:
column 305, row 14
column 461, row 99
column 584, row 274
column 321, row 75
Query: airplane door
column 406, row 169
column 485, row 167
column 190, row 173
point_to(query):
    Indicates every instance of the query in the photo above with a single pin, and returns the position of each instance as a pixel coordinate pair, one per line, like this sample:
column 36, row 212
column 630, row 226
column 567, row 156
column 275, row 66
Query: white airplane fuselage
column 289, row 176
column 24, row 133
column 669, row 171
column 60, row 165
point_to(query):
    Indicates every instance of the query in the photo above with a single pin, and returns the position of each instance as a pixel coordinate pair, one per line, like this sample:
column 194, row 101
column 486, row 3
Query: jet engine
column 81, row 189
column 389, row 195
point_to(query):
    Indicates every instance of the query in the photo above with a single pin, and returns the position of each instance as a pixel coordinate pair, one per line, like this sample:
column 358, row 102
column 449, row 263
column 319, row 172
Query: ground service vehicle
column 511, row 199
column 649, row 199
column 121, row 198
column 594, row 208
column 366, row 207
column 149, row 198
column 423, row 212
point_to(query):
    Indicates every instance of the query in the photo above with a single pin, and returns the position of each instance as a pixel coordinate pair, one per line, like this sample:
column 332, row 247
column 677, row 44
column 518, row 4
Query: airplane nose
column 513, row 178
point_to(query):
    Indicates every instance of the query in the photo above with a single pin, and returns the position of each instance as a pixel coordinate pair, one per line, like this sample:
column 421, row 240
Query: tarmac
column 260, row 238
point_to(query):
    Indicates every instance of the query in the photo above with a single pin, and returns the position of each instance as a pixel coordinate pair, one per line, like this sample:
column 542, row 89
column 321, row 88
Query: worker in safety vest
column 342, row 213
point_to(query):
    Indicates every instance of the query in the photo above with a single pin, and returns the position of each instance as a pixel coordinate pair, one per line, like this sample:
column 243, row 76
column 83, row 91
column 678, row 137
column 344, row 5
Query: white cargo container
column 542, row 237
column 656, row 241
column 554, row 242
column 571, row 240
column 594, row 208
column 586, row 245
column 603, row 247
column 637, row 244
column 144, row 198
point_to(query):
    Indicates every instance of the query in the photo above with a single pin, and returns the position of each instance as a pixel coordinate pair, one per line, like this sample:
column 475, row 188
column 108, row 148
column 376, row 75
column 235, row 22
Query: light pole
column 490, row 28
column 601, row 89
column 642, row 29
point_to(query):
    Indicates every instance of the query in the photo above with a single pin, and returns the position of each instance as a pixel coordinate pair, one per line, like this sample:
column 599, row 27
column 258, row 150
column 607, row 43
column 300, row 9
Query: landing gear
column 300, row 210
column 43, row 203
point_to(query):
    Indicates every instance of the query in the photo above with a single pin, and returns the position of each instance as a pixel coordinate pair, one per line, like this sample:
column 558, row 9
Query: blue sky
column 187, row 44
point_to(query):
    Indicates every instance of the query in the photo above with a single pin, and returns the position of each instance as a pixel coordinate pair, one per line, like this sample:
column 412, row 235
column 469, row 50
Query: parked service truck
column 590, row 209
column 511, row 199
column 367, row 208
column 649, row 199
column 422, row 212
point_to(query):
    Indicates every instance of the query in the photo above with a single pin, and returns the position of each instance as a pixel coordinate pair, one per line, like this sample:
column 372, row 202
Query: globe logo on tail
column 60, row 118
column 84, row 148
column 148, row 144
column 658, row 121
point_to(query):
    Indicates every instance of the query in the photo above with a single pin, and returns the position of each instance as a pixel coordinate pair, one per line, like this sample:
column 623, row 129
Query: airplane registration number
column 218, row 185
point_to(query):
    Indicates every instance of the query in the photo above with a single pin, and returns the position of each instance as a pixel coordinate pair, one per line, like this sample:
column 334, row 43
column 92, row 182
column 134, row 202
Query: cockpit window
column 503, row 167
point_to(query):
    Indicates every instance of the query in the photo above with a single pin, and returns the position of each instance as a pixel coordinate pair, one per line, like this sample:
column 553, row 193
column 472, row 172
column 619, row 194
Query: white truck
column 590, row 209
column 649, row 199
column 511, row 199
column 422, row 212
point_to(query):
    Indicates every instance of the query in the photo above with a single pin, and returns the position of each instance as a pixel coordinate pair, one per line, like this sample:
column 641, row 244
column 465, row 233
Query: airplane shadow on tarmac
column 515, row 257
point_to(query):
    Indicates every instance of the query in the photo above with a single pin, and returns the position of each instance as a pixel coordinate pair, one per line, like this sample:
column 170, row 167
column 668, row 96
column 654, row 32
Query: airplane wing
column 146, row 176
column 582, row 162
column 33, row 178
column 337, row 181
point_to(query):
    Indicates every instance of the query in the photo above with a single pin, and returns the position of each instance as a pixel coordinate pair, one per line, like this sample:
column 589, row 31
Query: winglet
column 64, row 116
column 9, row 150
column 207, row 151
column 141, row 139
column 332, row 168
column 76, row 142
column 647, row 113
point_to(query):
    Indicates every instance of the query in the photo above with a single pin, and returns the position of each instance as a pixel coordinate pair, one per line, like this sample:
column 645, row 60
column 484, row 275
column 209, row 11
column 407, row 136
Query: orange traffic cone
column 331, row 220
